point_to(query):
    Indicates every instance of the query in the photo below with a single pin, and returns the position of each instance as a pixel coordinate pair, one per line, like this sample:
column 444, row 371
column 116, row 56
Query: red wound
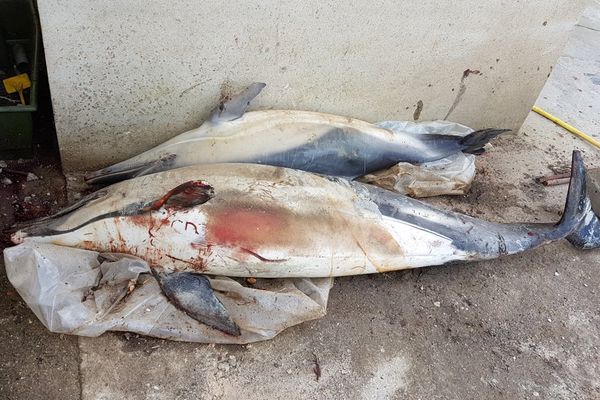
column 246, row 228
column 188, row 194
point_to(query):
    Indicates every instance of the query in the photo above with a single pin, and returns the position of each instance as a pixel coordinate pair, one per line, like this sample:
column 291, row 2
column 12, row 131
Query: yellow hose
column 568, row 127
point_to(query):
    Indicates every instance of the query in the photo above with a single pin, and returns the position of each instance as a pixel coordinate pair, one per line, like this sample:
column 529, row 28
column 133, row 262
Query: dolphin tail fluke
column 193, row 294
column 118, row 172
column 587, row 233
column 579, row 223
column 474, row 142
column 577, row 204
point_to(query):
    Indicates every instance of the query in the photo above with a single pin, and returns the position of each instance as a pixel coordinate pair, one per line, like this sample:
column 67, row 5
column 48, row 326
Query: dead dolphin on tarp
column 248, row 220
column 310, row 141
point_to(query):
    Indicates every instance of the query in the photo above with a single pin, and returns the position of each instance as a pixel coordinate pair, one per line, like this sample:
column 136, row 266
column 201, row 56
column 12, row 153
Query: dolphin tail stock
column 515, row 238
column 481, row 239
column 127, row 170
column 192, row 293
column 474, row 142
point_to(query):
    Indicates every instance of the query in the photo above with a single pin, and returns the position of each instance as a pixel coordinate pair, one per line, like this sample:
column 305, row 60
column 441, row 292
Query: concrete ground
column 521, row 327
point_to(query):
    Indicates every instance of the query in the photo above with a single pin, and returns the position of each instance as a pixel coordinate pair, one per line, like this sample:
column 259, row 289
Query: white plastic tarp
column 86, row 293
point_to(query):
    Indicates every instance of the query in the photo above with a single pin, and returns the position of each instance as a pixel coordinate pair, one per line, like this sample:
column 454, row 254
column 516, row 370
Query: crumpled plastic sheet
column 86, row 293
column 452, row 175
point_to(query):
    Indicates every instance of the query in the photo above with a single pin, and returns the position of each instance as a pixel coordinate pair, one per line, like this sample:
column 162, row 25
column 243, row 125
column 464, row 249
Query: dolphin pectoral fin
column 118, row 173
column 235, row 106
column 192, row 294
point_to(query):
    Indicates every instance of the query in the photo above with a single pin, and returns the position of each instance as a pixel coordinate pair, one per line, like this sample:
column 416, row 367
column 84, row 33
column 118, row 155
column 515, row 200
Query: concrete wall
column 127, row 75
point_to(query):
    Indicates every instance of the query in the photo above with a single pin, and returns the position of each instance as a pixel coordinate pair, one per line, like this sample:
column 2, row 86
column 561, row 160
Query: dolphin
column 310, row 141
column 250, row 220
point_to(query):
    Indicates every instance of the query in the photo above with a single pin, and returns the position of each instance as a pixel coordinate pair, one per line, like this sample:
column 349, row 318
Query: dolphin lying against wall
column 311, row 141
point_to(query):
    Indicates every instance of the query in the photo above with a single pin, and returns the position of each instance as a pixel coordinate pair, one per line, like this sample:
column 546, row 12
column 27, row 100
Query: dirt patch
column 34, row 363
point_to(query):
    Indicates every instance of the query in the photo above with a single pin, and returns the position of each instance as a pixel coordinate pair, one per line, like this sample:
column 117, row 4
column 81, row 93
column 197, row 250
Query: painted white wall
column 127, row 75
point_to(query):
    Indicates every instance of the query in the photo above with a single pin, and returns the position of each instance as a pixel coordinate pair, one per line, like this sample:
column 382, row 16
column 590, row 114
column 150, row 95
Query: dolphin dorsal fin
column 235, row 106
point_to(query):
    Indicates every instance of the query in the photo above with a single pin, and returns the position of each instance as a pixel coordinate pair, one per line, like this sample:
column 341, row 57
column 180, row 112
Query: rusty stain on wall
column 461, row 89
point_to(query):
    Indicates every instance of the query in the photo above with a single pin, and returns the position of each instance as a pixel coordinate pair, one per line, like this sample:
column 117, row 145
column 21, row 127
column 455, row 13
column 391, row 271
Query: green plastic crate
column 20, row 22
